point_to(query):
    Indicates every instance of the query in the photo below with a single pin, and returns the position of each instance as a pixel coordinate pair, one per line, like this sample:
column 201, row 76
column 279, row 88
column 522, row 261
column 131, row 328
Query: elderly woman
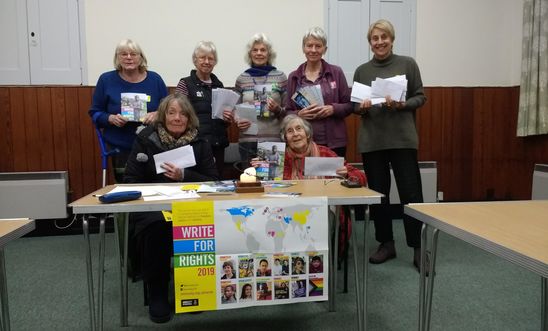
column 297, row 134
column 261, row 76
column 130, row 79
column 388, row 138
column 198, row 88
column 328, row 119
column 176, row 125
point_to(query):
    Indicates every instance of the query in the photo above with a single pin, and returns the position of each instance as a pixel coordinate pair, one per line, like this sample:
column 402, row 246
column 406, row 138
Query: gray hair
column 204, row 47
column 316, row 33
column 291, row 118
column 131, row 46
column 259, row 38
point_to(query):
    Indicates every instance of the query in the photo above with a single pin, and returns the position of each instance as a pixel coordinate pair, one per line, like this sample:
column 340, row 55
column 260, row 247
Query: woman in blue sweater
column 130, row 87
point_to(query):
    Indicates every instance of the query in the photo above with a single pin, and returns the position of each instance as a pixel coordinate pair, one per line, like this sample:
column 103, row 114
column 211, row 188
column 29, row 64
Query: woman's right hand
column 243, row 124
column 117, row 120
column 309, row 113
column 255, row 162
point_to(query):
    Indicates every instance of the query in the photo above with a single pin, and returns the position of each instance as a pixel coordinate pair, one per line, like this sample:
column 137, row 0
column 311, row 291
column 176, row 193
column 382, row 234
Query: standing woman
column 328, row 120
column 198, row 88
column 261, row 75
column 130, row 76
column 388, row 137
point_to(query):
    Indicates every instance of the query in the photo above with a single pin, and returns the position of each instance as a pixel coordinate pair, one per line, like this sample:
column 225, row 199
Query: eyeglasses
column 130, row 54
column 205, row 58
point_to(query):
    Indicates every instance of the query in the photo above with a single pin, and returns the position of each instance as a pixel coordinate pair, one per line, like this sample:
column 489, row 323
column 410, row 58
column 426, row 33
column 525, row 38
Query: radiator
column 540, row 182
column 37, row 195
column 429, row 179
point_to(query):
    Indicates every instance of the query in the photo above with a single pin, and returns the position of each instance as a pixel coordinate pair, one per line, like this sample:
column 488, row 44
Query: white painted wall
column 459, row 43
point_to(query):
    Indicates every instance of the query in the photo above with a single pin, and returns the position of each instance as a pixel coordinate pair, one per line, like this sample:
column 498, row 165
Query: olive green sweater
column 382, row 128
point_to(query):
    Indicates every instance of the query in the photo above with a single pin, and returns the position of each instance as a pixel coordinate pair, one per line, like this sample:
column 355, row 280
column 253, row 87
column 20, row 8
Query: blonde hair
column 383, row 25
column 131, row 46
column 186, row 106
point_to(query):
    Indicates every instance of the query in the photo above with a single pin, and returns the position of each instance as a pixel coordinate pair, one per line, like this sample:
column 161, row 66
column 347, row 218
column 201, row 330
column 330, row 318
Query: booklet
column 134, row 106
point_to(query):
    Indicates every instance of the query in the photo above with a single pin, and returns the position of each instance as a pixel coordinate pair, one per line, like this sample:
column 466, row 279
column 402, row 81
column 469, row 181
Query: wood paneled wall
column 470, row 132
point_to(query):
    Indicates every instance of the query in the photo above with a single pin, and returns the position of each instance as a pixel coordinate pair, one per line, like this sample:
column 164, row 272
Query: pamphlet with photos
column 272, row 165
column 134, row 106
column 308, row 95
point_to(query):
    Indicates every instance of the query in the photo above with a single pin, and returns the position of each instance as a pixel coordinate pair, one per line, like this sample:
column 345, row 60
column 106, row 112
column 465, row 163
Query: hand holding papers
column 322, row 166
column 308, row 95
column 247, row 111
column 220, row 100
column 182, row 157
column 395, row 87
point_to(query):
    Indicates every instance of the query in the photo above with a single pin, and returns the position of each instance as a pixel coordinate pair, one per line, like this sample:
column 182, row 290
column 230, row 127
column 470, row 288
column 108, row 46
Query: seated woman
column 297, row 134
column 176, row 125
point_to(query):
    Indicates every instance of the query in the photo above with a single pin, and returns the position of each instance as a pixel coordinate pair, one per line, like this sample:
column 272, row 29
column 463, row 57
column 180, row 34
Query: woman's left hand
column 325, row 111
column 343, row 172
column 149, row 118
column 391, row 104
column 172, row 171
column 273, row 106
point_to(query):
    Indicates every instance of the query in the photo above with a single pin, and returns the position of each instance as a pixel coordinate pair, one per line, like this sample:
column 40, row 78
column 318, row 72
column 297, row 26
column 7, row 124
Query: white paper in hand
column 322, row 166
column 182, row 157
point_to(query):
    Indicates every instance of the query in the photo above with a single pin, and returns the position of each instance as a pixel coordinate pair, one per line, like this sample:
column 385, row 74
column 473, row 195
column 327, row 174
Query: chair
column 105, row 153
column 121, row 225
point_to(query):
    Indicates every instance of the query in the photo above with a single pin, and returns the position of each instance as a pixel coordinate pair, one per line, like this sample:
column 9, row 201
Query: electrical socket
column 440, row 196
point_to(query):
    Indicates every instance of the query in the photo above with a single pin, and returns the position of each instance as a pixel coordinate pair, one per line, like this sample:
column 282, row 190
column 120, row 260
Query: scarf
column 296, row 160
column 260, row 71
column 170, row 142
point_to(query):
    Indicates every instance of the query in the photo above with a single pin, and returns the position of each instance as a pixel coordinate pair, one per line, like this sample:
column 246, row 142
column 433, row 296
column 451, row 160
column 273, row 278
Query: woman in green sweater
column 388, row 138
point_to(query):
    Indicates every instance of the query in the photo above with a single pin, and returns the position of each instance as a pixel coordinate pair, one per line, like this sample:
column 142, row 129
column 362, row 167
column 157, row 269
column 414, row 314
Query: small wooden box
column 252, row 187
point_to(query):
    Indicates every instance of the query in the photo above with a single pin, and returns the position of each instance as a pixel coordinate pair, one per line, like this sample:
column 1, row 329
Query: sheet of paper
column 182, row 157
column 362, row 92
column 322, row 166
column 180, row 195
column 148, row 190
column 220, row 100
column 395, row 87
column 248, row 112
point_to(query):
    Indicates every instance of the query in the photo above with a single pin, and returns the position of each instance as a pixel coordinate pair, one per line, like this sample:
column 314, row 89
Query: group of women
column 387, row 132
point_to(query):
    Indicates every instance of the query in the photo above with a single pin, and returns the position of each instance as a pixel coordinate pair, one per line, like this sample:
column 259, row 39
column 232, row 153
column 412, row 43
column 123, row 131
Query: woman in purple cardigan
column 327, row 119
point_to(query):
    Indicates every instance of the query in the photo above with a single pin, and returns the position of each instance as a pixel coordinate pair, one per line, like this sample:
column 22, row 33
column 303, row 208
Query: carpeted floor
column 474, row 290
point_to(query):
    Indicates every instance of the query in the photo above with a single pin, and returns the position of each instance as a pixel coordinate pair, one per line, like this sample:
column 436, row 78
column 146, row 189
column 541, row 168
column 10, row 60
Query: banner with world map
column 240, row 253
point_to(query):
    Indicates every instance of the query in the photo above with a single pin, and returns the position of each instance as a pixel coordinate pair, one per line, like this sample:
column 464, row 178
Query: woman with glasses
column 126, row 98
column 198, row 88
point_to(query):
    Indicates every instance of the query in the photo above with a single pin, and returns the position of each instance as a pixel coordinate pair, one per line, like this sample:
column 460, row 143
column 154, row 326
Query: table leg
column 121, row 226
column 354, row 244
column 4, row 294
column 365, row 262
column 431, row 275
column 422, row 278
column 544, row 304
column 333, row 247
column 101, row 270
column 89, row 271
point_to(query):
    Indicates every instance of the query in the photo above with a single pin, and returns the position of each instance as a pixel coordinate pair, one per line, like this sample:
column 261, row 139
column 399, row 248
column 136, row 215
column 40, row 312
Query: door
column 43, row 39
column 349, row 20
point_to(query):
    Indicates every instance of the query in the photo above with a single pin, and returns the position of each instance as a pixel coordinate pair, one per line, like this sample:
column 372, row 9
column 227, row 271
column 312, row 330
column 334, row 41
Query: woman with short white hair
column 198, row 88
column 263, row 86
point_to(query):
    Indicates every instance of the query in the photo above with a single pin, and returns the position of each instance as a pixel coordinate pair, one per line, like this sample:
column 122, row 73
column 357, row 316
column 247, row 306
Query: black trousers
column 153, row 246
column 408, row 179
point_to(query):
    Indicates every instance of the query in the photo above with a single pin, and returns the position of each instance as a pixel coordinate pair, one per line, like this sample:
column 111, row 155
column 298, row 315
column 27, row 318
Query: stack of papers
column 247, row 111
column 220, row 100
column 308, row 95
column 395, row 87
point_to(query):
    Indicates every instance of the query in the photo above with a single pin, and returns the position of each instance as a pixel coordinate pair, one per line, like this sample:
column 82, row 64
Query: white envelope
column 182, row 157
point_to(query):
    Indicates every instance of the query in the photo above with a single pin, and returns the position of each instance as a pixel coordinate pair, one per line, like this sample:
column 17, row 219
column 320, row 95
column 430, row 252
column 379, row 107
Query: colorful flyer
column 194, row 256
